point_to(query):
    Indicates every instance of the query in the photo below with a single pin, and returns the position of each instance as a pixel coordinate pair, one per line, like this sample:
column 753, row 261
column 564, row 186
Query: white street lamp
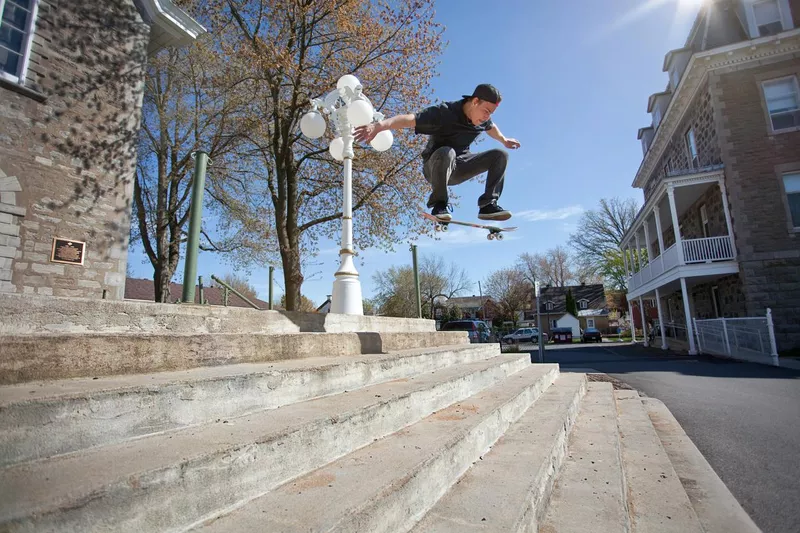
column 348, row 108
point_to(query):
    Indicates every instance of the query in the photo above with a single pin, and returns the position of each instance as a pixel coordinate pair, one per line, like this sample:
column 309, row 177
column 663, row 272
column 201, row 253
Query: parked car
column 561, row 335
column 591, row 335
column 477, row 329
column 524, row 335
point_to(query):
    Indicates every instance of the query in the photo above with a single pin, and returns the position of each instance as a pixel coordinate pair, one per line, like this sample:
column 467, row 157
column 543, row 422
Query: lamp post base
column 346, row 298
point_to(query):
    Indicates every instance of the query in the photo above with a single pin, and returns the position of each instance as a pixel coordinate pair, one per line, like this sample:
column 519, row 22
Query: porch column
column 638, row 252
column 647, row 240
column 724, row 193
column 633, row 323
column 661, row 321
column 675, row 226
column 657, row 213
column 688, row 314
column 644, row 323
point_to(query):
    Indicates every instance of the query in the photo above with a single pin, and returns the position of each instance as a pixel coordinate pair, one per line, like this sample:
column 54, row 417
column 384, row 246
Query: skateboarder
column 452, row 127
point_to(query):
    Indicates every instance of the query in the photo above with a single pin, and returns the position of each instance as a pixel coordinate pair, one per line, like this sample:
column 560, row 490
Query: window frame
column 30, row 31
column 590, row 323
column 549, row 306
column 752, row 7
column 715, row 302
column 782, row 172
column 770, row 123
column 583, row 303
column 694, row 158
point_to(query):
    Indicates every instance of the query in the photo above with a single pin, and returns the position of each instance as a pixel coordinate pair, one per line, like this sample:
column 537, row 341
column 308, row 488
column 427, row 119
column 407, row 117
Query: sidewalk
column 783, row 362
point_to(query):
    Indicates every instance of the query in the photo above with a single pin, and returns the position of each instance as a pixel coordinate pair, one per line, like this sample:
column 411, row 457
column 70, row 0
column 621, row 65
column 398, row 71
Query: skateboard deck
column 495, row 232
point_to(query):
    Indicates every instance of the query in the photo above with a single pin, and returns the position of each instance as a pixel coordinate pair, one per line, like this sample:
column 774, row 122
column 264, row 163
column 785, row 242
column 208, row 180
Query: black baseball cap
column 486, row 92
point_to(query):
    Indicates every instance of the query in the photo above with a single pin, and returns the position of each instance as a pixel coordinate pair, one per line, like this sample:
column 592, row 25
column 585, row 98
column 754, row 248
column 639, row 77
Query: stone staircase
column 181, row 418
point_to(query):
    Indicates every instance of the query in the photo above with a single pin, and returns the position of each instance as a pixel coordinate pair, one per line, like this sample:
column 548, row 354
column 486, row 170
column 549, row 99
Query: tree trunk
column 161, row 279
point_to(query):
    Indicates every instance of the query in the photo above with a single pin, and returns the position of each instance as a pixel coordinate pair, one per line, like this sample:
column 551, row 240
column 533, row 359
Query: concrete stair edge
column 118, row 408
column 191, row 482
column 716, row 507
column 417, row 466
column 521, row 468
column 39, row 357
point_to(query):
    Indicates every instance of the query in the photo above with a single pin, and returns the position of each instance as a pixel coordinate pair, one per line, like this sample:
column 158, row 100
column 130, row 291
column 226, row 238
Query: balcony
column 695, row 251
column 664, row 244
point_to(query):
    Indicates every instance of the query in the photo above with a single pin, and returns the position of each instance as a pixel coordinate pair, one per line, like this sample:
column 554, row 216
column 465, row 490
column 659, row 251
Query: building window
column 584, row 304
column 704, row 220
column 791, row 184
column 16, row 33
column 549, row 306
column 783, row 102
column 590, row 322
column 555, row 324
column 691, row 146
column 767, row 14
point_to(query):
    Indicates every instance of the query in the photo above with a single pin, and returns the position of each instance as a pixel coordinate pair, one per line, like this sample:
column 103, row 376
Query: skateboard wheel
column 444, row 227
column 499, row 236
column 437, row 227
column 490, row 237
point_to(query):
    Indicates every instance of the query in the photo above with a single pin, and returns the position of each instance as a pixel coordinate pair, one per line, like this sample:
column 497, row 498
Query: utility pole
column 416, row 280
column 539, row 321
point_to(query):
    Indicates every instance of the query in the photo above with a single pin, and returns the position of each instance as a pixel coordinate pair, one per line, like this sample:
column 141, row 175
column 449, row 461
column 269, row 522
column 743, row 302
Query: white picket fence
column 751, row 338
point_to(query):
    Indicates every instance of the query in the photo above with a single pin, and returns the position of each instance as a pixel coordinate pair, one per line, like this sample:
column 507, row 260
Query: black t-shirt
column 447, row 125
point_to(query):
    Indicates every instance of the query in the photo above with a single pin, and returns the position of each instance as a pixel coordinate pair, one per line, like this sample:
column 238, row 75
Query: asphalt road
column 744, row 417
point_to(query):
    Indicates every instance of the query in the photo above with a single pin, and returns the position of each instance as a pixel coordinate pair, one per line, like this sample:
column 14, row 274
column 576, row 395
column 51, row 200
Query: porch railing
column 707, row 249
column 751, row 338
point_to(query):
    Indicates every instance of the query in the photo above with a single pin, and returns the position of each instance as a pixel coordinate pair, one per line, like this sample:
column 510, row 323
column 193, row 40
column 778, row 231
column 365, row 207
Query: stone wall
column 69, row 139
column 731, row 298
column 10, row 216
column 699, row 116
column 755, row 158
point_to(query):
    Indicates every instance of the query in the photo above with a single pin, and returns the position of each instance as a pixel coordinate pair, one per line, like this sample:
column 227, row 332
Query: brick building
column 719, row 232
column 71, row 86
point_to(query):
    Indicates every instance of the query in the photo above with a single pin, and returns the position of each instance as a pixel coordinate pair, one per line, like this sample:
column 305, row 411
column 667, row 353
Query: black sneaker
column 493, row 211
column 441, row 211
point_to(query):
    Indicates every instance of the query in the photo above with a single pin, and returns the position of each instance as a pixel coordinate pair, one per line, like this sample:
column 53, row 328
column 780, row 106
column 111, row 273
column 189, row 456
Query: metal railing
column 751, row 338
column 707, row 249
column 227, row 288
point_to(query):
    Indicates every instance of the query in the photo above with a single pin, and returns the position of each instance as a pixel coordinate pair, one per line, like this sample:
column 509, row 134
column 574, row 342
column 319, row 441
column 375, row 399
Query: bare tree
column 510, row 291
column 437, row 277
column 556, row 267
column 600, row 233
column 531, row 266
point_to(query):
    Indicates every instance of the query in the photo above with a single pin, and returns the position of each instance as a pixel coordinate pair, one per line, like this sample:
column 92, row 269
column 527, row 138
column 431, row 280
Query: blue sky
column 575, row 78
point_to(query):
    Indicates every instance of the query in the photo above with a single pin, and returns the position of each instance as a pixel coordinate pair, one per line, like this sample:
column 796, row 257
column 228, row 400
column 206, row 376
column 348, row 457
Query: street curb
column 714, row 504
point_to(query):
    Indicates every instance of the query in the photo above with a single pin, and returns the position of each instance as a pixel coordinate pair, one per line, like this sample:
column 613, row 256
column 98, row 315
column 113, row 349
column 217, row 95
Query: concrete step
column 29, row 313
column 508, row 489
column 33, row 357
column 716, row 508
column 590, row 492
column 167, row 481
column 388, row 485
column 657, row 502
column 43, row 419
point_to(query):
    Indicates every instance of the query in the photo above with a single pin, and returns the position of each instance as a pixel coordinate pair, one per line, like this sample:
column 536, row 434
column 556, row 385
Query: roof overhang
column 700, row 64
column 642, row 132
column 171, row 26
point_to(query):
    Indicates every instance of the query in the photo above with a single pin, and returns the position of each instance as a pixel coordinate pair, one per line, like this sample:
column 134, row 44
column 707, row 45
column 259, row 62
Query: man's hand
column 366, row 133
column 511, row 144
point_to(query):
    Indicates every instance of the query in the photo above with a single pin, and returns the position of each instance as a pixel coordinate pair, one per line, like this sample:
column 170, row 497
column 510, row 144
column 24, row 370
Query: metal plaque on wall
column 67, row 251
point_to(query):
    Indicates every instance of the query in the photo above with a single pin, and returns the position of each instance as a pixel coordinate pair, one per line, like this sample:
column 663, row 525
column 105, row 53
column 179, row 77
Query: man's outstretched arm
column 367, row 133
column 495, row 133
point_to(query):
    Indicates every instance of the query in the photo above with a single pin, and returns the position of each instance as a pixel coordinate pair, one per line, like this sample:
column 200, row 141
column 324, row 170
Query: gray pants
column 444, row 168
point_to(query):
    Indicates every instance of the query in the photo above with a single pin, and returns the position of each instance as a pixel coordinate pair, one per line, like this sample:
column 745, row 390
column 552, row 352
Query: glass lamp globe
column 336, row 149
column 312, row 125
column 359, row 113
column 382, row 141
column 348, row 80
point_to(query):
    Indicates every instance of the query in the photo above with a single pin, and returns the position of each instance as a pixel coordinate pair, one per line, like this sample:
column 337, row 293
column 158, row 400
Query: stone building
column 719, row 232
column 71, row 87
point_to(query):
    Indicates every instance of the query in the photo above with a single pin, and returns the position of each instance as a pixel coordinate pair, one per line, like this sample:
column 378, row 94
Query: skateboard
column 495, row 232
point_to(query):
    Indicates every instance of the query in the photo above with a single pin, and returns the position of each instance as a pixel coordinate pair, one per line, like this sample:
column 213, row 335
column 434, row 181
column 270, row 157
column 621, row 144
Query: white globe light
column 382, row 141
column 337, row 149
column 359, row 113
column 348, row 80
column 312, row 125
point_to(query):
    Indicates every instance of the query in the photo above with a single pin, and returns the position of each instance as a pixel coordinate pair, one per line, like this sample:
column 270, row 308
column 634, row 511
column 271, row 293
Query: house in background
column 478, row 307
column 719, row 232
column 590, row 299
column 71, row 88
column 143, row 290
